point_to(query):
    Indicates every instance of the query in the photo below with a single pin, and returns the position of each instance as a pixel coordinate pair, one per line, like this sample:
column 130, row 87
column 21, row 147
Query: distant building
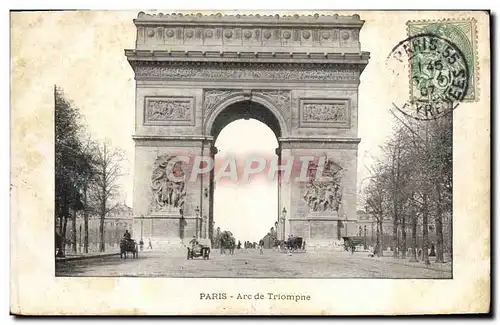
column 118, row 219
column 120, row 211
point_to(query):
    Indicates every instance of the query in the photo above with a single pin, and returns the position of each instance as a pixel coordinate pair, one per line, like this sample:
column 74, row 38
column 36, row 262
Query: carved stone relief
column 257, row 36
column 324, row 195
column 279, row 98
column 324, row 113
column 238, row 71
column 336, row 112
column 169, row 110
column 213, row 97
column 168, row 192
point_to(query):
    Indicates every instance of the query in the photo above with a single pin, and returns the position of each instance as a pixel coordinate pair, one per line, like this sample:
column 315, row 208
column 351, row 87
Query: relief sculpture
column 324, row 195
column 248, row 72
column 212, row 97
column 328, row 112
column 281, row 98
column 167, row 192
column 168, row 110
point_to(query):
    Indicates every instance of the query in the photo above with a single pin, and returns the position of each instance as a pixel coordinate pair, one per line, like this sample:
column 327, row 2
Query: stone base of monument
column 166, row 229
column 331, row 245
column 166, row 244
column 319, row 230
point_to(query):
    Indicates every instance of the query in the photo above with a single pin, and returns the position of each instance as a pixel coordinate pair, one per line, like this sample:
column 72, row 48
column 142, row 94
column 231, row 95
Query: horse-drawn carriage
column 351, row 243
column 198, row 249
column 291, row 244
column 294, row 243
column 128, row 245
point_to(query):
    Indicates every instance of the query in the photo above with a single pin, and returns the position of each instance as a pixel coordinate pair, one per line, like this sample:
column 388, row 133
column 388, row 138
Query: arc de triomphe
column 197, row 73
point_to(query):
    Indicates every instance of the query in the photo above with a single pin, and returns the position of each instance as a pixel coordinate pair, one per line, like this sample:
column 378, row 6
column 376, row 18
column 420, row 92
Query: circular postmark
column 438, row 75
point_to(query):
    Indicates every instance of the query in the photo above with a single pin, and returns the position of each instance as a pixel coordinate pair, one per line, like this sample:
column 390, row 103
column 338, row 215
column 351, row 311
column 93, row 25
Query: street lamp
column 142, row 226
column 211, row 230
column 181, row 224
column 373, row 234
column 197, row 213
column 205, row 233
column 80, row 248
column 365, row 237
column 217, row 238
column 283, row 218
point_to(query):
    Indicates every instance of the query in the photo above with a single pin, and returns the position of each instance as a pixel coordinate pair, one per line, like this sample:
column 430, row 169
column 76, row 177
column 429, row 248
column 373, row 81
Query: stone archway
column 194, row 73
column 233, row 108
column 268, row 106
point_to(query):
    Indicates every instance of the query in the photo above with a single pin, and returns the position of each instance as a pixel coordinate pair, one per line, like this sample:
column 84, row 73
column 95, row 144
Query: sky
column 83, row 52
column 253, row 205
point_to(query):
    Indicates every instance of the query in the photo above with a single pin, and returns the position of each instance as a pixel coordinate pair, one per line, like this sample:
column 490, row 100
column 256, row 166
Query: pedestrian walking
column 149, row 244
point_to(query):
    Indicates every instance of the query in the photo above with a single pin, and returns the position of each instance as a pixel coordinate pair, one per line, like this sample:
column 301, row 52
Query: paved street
column 273, row 264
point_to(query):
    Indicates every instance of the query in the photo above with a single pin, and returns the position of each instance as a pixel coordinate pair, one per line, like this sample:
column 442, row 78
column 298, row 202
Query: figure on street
column 193, row 242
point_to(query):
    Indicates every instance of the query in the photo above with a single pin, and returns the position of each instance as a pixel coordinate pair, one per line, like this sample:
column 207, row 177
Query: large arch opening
column 246, row 208
column 245, row 109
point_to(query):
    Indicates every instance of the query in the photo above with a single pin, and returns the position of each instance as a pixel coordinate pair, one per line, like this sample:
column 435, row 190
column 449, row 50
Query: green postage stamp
column 462, row 33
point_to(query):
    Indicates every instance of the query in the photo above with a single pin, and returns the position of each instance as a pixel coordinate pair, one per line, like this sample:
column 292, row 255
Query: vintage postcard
column 250, row 162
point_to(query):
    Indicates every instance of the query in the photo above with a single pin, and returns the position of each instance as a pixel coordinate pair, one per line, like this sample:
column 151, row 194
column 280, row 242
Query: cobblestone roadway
column 312, row 264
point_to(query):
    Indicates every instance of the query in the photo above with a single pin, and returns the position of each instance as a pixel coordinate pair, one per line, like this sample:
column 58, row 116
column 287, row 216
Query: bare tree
column 108, row 169
column 413, row 178
column 88, row 177
column 431, row 147
column 441, row 165
column 414, row 221
column 375, row 199
column 394, row 174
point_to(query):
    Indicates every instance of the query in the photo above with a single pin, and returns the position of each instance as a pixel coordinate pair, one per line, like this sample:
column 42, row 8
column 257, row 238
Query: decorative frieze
column 241, row 71
column 169, row 111
column 241, row 37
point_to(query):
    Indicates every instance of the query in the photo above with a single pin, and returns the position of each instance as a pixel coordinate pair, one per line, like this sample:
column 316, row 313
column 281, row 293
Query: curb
column 84, row 257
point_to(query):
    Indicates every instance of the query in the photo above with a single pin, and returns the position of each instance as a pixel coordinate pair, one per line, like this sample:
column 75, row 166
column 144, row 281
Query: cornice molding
column 321, row 140
column 139, row 138
column 361, row 58
column 251, row 19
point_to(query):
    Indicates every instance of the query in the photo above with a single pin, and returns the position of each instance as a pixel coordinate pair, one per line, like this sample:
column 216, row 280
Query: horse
column 350, row 244
column 279, row 244
column 294, row 243
column 128, row 246
column 227, row 241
